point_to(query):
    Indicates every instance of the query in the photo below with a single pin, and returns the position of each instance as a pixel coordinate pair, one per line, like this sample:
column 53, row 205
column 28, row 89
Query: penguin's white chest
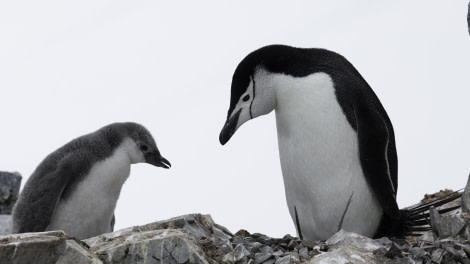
column 90, row 207
column 320, row 162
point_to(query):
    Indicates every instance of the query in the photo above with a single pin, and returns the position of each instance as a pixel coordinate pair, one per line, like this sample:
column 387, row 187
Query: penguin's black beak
column 159, row 161
column 229, row 128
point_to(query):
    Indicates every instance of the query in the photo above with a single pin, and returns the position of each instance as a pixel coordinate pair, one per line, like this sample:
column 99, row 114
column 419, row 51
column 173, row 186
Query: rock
column 303, row 254
column 243, row 233
column 45, row 247
column 294, row 258
column 240, row 253
column 9, row 190
column 344, row 238
column 283, row 260
column 447, row 225
column 262, row 257
column 437, row 255
column 5, row 224
column 159, row 246
column 344, row 254
column 394, row 252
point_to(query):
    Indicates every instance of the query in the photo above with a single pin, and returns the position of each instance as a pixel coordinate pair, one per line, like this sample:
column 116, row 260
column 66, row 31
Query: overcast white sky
column 67, row 69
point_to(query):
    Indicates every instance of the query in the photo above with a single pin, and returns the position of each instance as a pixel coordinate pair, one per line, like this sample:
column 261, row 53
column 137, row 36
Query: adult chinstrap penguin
column 336, row 141
column 76, row 187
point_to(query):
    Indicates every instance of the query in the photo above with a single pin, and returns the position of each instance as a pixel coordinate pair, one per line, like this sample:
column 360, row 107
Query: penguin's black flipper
column 373, row 137
column 37, row 203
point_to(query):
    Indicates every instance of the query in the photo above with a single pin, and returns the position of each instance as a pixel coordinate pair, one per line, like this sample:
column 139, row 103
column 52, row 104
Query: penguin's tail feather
column 415, row 220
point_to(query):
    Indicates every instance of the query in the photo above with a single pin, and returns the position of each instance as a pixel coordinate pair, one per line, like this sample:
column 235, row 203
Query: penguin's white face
column 258, row 99
column 144, row 148
column 133, row 151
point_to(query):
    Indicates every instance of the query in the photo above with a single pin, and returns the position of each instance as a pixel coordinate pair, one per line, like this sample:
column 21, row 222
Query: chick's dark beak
column 158, row 160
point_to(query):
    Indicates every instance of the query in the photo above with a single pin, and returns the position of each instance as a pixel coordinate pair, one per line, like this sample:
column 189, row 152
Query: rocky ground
column 196, row 238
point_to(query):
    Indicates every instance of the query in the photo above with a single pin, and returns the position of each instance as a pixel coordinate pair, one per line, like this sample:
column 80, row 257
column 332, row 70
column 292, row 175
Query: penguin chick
column 336, row 141
column 76, row 188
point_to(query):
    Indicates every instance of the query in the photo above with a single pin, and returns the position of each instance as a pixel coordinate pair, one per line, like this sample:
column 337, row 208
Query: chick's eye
column 246, row 98
column 143, row 148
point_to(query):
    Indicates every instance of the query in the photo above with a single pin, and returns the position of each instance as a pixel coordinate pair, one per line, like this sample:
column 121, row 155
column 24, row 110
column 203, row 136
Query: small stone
column 260, row 236
column 266, row 249
column 437, row 255
column 455, row 252
column 294, row 258
column 446, row 225
column 278, row 254
column 224, row 249
column 394, row 252
column 240, row 252
column 292, row 244
column 270, row 261
column 417, row 252
column 380, row 251
column 262, row 257
column 344, row 238
column 243, row 233
column 254, row 247
column 289, row 237
column 303, row 254
column 283, row 260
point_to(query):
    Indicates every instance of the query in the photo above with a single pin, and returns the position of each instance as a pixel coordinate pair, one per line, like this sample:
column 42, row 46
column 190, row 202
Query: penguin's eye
column 143, row 148
column 246, row 98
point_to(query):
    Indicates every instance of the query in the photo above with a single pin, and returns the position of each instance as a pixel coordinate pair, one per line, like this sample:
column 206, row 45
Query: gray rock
column 267, row 249
column 278, row 254
column 394, row 252
column 344, row 254
column 240, row 253
column 170, row 246
column 294, row 258
column 437, row 255
column 262, row 257
column 344, row 238
column 9, row 190
column 224, row 249
column 270, row 261
column 303, row 254
column 46, row 247
column 5, row 224
column 447, row 225
column 283, row 260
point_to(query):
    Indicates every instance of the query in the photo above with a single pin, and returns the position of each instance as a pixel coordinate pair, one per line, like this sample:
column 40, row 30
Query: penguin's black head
column 252, row 94
column 147, row 146
column 254, row 81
